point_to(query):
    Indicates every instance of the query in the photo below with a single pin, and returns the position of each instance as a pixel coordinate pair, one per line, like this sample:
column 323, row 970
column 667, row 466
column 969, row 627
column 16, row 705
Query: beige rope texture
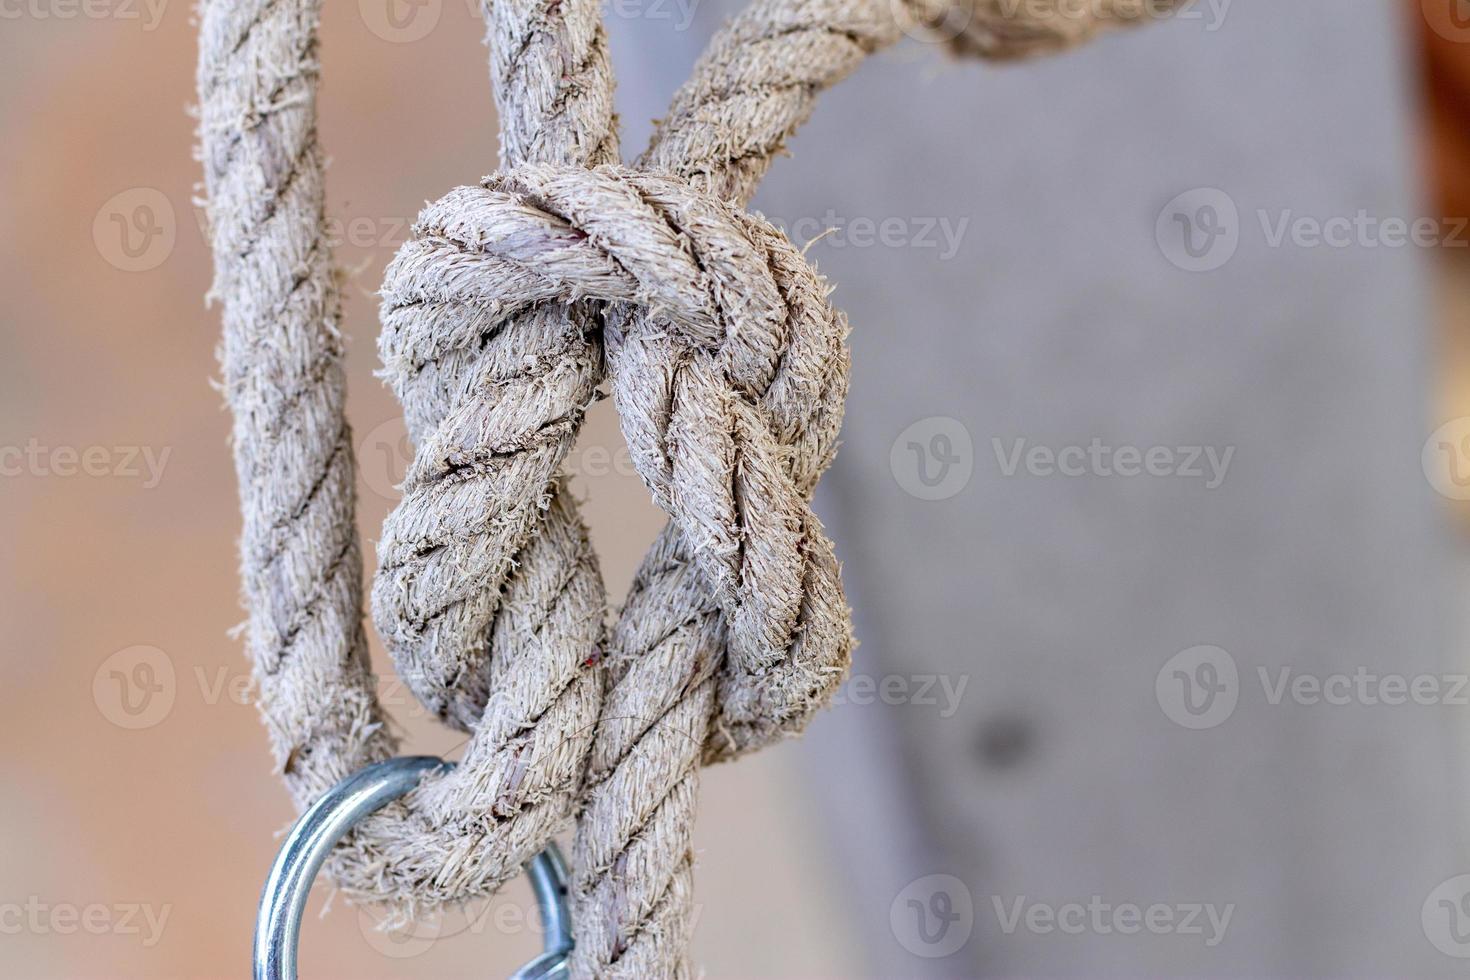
column 736, row 629
column 728, row 368
column 461, row 835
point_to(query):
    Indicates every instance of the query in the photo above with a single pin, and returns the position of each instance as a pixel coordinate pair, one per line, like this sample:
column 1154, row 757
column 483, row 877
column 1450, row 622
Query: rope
column 282, row 377
column 459, row 835
column 736, row 629
column 728, row 368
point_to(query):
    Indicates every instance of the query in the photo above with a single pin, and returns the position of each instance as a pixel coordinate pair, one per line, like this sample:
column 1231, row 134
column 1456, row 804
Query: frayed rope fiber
column 513, row 305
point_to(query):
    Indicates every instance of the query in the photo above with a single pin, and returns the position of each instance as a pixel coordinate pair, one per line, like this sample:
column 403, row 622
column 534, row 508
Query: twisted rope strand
column 737, row 629
column 459, row 835
column 488, row 595
column 729, row 370
column 282, row 376
column 761, row 358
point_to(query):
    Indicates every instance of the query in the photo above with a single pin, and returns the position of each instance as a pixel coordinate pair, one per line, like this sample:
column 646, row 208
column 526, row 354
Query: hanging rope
column 459, row 835
column 728, row 369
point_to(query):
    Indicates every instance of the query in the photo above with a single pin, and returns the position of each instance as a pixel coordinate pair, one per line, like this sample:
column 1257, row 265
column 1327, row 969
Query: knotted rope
column 459, row 835
column 728, row 368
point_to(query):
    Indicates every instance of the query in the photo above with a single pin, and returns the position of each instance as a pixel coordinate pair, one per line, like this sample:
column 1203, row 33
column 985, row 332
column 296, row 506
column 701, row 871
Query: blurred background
column 1151, row 502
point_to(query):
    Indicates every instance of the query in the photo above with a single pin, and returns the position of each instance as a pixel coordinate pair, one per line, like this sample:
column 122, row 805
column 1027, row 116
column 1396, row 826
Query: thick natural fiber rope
column 759, row 385
column 736, row 629
column 488, row 595
column 728, row 368
column 283, row 380
column 1008, row 29
column 458, row 835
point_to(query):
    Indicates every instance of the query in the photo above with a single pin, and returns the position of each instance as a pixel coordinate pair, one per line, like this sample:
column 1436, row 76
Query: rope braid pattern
column 727, row 365
column 458, row 835
column 488, row 595
column 736, row 630
column 281, row 352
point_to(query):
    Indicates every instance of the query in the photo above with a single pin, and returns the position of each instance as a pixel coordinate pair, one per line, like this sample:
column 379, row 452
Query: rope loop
column 503, row 317
column 729, row 369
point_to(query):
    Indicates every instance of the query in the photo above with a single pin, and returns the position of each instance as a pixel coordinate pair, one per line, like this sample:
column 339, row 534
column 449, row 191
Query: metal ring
column 282, row 901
